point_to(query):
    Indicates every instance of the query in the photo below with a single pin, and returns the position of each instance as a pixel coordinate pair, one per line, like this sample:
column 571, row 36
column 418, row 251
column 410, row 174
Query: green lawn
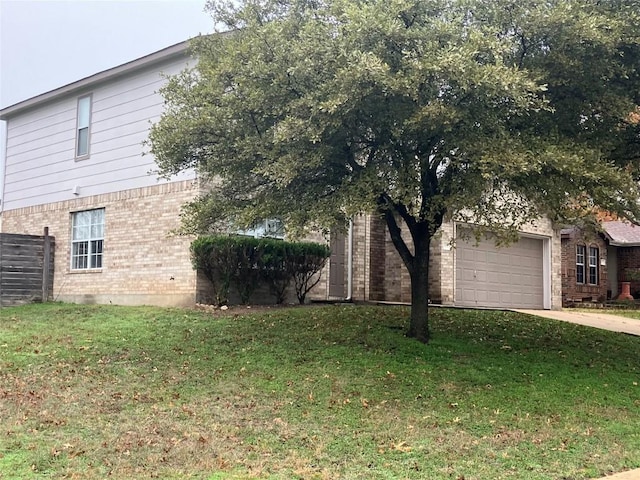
column 629, row 313
column 94, row 392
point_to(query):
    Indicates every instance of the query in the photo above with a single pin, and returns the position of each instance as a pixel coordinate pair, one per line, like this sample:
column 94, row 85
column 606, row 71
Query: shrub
column 247, row 259
column 214, row 256
column 246, row 262
column 306, row 260
column 275, row 269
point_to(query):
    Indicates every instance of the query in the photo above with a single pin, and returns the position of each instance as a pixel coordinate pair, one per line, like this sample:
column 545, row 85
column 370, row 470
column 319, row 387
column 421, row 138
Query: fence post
column 45, row 265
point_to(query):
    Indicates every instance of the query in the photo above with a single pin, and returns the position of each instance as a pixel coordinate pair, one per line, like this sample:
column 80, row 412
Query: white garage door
column 507, row 277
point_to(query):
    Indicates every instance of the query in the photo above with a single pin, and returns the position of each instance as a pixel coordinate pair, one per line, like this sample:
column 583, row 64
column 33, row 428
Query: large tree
column 495, row 113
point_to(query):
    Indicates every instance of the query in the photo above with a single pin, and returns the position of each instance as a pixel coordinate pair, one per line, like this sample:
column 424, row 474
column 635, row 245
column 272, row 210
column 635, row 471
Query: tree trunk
column 419, row 326
column 418, row 266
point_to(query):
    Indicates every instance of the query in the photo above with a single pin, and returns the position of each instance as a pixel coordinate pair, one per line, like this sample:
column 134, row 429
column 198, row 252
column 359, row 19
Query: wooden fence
column 26, row 268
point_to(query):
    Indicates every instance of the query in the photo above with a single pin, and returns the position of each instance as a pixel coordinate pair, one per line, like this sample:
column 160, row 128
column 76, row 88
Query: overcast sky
column 47, row 44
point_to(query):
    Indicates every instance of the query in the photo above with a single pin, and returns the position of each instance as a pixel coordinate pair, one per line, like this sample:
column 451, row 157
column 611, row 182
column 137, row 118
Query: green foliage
column 300, row 262
column 313, row 110
column 495, row 113
column 305, row 260
column 217, row 258
column 246, row 262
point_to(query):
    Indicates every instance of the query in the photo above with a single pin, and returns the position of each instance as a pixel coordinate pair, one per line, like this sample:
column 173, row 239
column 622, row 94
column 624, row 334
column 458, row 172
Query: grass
column 629, row 313
column 90, row 392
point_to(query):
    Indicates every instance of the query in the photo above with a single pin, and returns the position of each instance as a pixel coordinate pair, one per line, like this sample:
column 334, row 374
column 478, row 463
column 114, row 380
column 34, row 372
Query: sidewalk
column 595, row 319
column 604, row 321
column 630, row 475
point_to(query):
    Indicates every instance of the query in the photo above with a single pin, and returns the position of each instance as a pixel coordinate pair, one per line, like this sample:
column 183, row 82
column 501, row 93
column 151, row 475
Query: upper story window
column 87, row 239
column 593, row 265
column 580, row 258
column 84, row 124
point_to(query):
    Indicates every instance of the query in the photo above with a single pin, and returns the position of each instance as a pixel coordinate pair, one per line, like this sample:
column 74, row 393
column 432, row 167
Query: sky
column 47, row 44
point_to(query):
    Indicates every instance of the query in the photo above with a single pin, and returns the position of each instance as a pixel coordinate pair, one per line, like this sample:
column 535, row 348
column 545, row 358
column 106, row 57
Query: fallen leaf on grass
column 402, row 447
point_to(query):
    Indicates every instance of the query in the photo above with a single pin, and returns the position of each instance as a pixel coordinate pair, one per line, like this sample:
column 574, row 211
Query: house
column 75, row 163
column 594, row 265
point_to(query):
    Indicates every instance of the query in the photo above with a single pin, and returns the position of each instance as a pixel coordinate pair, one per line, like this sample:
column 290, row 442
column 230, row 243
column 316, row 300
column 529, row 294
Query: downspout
column 350, row 262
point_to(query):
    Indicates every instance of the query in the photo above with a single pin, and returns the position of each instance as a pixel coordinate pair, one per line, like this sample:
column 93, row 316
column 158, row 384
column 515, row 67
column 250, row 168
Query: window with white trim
column 87, row 239
column 580, row 257
column 83, row 128
column 593, row 265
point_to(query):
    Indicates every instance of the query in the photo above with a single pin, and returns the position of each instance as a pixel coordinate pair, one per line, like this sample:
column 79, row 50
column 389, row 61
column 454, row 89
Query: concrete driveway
column 595, row 319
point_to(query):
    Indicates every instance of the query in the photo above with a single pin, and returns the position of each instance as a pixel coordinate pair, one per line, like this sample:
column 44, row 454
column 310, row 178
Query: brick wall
column 361, row 257
column 442, row 265
column 397, row 282
column 571, row 290
column 395, row 279
column 377, row 255
column 142, row 262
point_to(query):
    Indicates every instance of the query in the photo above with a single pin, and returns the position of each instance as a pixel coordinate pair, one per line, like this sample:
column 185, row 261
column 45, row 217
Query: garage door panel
column 508, row 277
column 467, row 274
column 467, row 297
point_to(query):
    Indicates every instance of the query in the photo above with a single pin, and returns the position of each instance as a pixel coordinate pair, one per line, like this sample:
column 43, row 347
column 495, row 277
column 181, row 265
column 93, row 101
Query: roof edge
column 622, row 244
column 133, row 65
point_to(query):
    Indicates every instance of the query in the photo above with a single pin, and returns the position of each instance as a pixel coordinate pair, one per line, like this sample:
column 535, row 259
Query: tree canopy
column 495, row 113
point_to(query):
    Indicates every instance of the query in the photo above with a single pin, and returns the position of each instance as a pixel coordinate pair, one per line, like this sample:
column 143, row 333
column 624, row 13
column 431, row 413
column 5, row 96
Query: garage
column 500, row 277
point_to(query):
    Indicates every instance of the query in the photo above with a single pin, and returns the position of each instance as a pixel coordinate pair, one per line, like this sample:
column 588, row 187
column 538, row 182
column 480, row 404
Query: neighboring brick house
column 594, row 266
column 74, row 162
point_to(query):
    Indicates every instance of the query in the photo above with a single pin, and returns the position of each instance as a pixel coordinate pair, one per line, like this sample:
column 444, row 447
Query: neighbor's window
column 87, row 239
column 580, row 257
column 84, row 121
column 593, row 265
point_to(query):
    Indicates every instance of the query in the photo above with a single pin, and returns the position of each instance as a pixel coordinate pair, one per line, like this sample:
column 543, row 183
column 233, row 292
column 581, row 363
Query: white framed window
column 87, row 239
column 580, row 258
column 83, row 129
column 594, row 255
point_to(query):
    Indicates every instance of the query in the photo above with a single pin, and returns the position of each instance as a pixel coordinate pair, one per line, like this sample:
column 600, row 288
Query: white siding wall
column 41, row 166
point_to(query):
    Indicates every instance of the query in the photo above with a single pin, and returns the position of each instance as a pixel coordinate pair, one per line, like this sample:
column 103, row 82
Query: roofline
column 623, row 244
column 161, row 55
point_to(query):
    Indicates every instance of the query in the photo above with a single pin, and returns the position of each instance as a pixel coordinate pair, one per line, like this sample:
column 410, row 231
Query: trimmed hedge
column 245, row 263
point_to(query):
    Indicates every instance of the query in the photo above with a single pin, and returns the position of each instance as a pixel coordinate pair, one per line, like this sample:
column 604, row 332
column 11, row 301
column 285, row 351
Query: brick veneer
column 143, row 263
column 571, row 290
column 377, row 255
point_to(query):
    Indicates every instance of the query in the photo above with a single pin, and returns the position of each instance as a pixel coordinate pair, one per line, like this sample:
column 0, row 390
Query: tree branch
column 396, row 234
